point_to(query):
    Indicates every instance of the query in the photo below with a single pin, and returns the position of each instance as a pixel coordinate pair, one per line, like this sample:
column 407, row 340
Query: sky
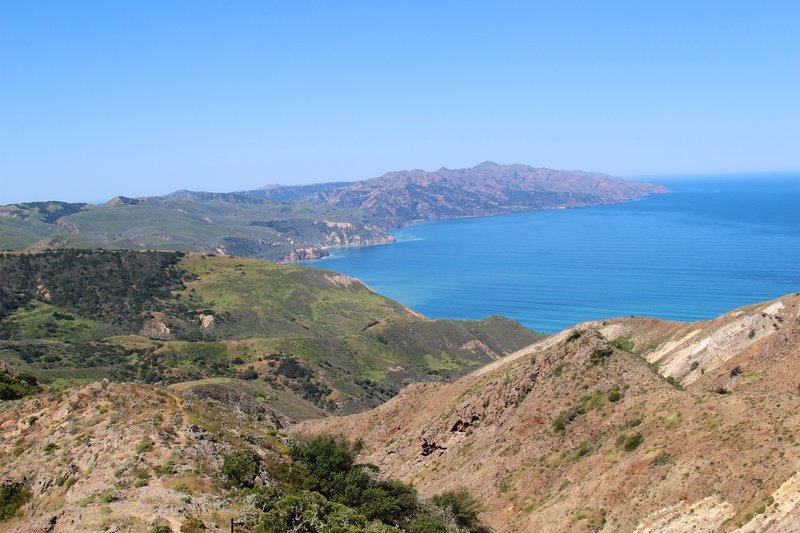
column 141, row 97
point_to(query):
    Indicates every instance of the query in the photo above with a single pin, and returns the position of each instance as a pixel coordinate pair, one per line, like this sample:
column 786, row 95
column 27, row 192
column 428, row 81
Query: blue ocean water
column 710, row 246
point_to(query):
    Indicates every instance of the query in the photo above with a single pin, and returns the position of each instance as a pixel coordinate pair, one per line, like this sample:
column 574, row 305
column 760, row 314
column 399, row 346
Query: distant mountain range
column 291, row 223
column 401, row 197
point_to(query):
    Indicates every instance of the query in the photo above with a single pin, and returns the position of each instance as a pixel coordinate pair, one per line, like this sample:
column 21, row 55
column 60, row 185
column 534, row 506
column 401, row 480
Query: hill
column 622, row 425
column 164, row 317
column 397, row 198
column 123, row 457
column 298, row 223
column 249, row 227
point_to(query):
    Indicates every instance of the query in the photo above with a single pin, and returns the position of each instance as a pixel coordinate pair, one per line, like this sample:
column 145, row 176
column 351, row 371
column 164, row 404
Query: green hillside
column 73, row 315
column 231, row 225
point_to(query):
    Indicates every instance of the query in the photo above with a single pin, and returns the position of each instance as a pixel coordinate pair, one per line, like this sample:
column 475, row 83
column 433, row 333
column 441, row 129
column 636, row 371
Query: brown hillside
column 580, row 432
column 121, row 457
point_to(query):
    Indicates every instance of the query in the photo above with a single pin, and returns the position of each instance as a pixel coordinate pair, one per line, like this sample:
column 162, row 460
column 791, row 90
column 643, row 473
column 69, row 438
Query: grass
column 41, row 320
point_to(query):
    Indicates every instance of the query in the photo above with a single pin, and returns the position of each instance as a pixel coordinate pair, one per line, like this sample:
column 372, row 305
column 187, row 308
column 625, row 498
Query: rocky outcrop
column 305, row 254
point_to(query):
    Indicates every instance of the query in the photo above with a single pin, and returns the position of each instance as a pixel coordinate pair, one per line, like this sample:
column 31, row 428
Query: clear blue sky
column 136, row 97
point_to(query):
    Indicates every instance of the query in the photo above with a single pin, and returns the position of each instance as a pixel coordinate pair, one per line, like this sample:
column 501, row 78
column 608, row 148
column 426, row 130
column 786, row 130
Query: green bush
column 425, row 523
column 167, row 469
column 310, row 511
column 361, row 496
column 240, row 469
column 624, row 343
column 600, row 354
column 463, row 505
column 630, row 442
column 144, row 446
column 12, row 497
column 328, row 460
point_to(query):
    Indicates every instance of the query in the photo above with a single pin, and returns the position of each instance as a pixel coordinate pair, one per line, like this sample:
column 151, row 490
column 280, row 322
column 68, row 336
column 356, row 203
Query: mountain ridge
column 296, row 223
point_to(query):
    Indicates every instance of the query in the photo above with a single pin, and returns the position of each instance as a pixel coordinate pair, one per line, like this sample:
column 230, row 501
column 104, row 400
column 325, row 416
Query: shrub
column 325, row 490
column 167, row 469
column 624, row 343
column 144, row 446
column 600, row 354
column 12, row 497
column 463, row 505
column 736, row 371
column 630, row 442
column 310, row 511
column 49, row 448
column 240, row 469
column 328, row 460
column 250, row 373
column 389, row 501
column 661, row 459
column 161, row 528
column 575, row 335
column 425, row 523
column 193, row 525
column 614, row 396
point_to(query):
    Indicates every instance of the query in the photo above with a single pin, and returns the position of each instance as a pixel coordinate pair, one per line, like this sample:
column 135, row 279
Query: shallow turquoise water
column 710, row 246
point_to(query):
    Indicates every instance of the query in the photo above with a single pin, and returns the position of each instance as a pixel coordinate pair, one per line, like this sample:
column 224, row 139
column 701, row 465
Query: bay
column 715, row 243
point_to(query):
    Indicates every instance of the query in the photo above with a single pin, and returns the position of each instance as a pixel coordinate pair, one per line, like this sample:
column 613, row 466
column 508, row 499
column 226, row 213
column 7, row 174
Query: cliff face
column 486, row 189
column 580, row 432
column 334, row 234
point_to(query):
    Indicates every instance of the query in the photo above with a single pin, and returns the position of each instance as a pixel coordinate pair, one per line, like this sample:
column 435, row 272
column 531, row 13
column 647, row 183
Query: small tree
column 240, row 469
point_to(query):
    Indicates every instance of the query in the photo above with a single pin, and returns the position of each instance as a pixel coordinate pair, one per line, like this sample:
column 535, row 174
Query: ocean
column 713, row 244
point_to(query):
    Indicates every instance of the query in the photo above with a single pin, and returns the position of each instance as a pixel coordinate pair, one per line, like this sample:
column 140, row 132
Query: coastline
column 420, row 222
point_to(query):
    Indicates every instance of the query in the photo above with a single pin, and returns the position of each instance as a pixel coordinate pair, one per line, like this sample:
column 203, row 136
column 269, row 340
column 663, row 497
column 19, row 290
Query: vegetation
column 600, row 354
column 585, row 404
column 158, row 317
column 114, row 287
column 240, row 469
column 242, row 224
column 14, row 387
column 463, row 506
column 623, row 343
column 326, row 490
column 630, row 442
column 12, row 497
